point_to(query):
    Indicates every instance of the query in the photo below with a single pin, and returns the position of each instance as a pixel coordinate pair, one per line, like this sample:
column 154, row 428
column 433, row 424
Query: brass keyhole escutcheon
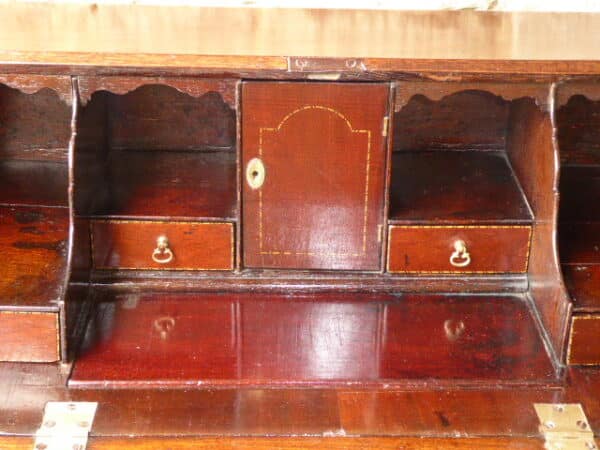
column 460, row 257
column 162, row 254
column 255, row 173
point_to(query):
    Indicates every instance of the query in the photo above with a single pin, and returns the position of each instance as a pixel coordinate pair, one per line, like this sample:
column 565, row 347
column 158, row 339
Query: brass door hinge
column 565, row 426
column 65, row 425
column 386, row 126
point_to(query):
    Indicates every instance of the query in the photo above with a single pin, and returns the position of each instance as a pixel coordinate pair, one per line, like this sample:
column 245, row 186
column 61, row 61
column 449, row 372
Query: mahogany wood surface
column 445, row 415
column 531, row 143
column 428, row 249
column 35, row 125
column 465, row 120
column 580, row 193
column 33, row 244
column 583, row 283
column 583, row 340
column 162, row 184
column 293, row 443
column 195, row 87
column 33, row 183
column 578, row 124
column 580, row 243
column 276, row 339
column 455, row 187
column 29, row 336
column 323, row 149
column 120, row 244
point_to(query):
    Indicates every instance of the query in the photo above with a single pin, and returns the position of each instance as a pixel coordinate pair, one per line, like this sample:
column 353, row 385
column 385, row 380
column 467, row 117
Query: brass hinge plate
column 65, row 425
column 386, row 126
column 565, row 426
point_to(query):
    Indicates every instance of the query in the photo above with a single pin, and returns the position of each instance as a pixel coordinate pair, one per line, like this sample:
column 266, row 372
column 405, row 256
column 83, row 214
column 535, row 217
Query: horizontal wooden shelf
column 34, row 183
column 470, row 186
column 185, row 185
column 279, row 339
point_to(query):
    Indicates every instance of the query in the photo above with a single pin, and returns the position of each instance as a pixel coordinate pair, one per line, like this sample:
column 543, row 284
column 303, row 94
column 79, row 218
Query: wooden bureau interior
column 172, row 231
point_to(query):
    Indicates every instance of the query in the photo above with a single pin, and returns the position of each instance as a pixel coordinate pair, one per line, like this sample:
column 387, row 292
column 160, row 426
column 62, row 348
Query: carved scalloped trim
column 436, row 91
column 196, row 88
column 565, row 91
column 31, row 84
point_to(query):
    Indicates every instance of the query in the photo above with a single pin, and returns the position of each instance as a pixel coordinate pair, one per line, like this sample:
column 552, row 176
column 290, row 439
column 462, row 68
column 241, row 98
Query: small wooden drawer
column 146, row 245
column 29, row 336
column 459, row 249
column 583, row 340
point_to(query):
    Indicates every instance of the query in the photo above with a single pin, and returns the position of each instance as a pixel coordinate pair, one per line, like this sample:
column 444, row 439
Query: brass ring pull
column 164, row 326
column 162, row 254
column 460, row 256
column 454, row 329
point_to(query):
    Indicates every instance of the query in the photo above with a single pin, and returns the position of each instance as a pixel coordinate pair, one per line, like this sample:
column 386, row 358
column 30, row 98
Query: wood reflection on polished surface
column 271, row 339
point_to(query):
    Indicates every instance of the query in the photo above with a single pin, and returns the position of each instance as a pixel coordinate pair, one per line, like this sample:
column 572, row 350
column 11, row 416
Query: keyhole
column 254, row 174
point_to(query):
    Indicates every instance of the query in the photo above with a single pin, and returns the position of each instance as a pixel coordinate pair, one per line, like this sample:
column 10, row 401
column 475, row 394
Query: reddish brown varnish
column 428, row 249
column 269, row 339
column 29, row 336
column 131, row 244
column 321, row 204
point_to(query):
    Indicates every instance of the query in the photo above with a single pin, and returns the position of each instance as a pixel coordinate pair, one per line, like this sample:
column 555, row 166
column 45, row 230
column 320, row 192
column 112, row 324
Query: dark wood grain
column 578, row 125
column 33, row 183
column 195, row 87
column 141, row 339
column 29, row 336
column 580, row 193
column 33, row 242
column 176, row 185
column 121, row 244
column 533, row 154
column 583, row 340
column 427, row 249
column 583, row 283
column 464, row 120
column 580, row 243
column 454, row 187
column 34, row 126
column 321, row 205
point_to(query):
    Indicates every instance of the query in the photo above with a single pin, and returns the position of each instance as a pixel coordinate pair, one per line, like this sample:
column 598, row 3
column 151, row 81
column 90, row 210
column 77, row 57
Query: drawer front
column 583, row 340
column 162, row 245
column 459, row 249
column 29, row 336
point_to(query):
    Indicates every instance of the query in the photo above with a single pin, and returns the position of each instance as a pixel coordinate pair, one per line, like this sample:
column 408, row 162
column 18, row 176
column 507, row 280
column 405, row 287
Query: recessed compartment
column 35, row 135
column 156, row 162
column 578, row 133
column 123, row 244
column 453, row 188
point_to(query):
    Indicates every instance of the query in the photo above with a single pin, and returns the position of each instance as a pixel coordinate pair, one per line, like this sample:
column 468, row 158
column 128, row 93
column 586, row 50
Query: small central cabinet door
column 314, row 158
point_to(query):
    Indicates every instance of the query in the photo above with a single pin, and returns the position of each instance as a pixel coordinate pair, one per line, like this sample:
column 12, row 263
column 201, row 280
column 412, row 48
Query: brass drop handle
column 255, row 173
column 460, row 256
column 162, row 254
